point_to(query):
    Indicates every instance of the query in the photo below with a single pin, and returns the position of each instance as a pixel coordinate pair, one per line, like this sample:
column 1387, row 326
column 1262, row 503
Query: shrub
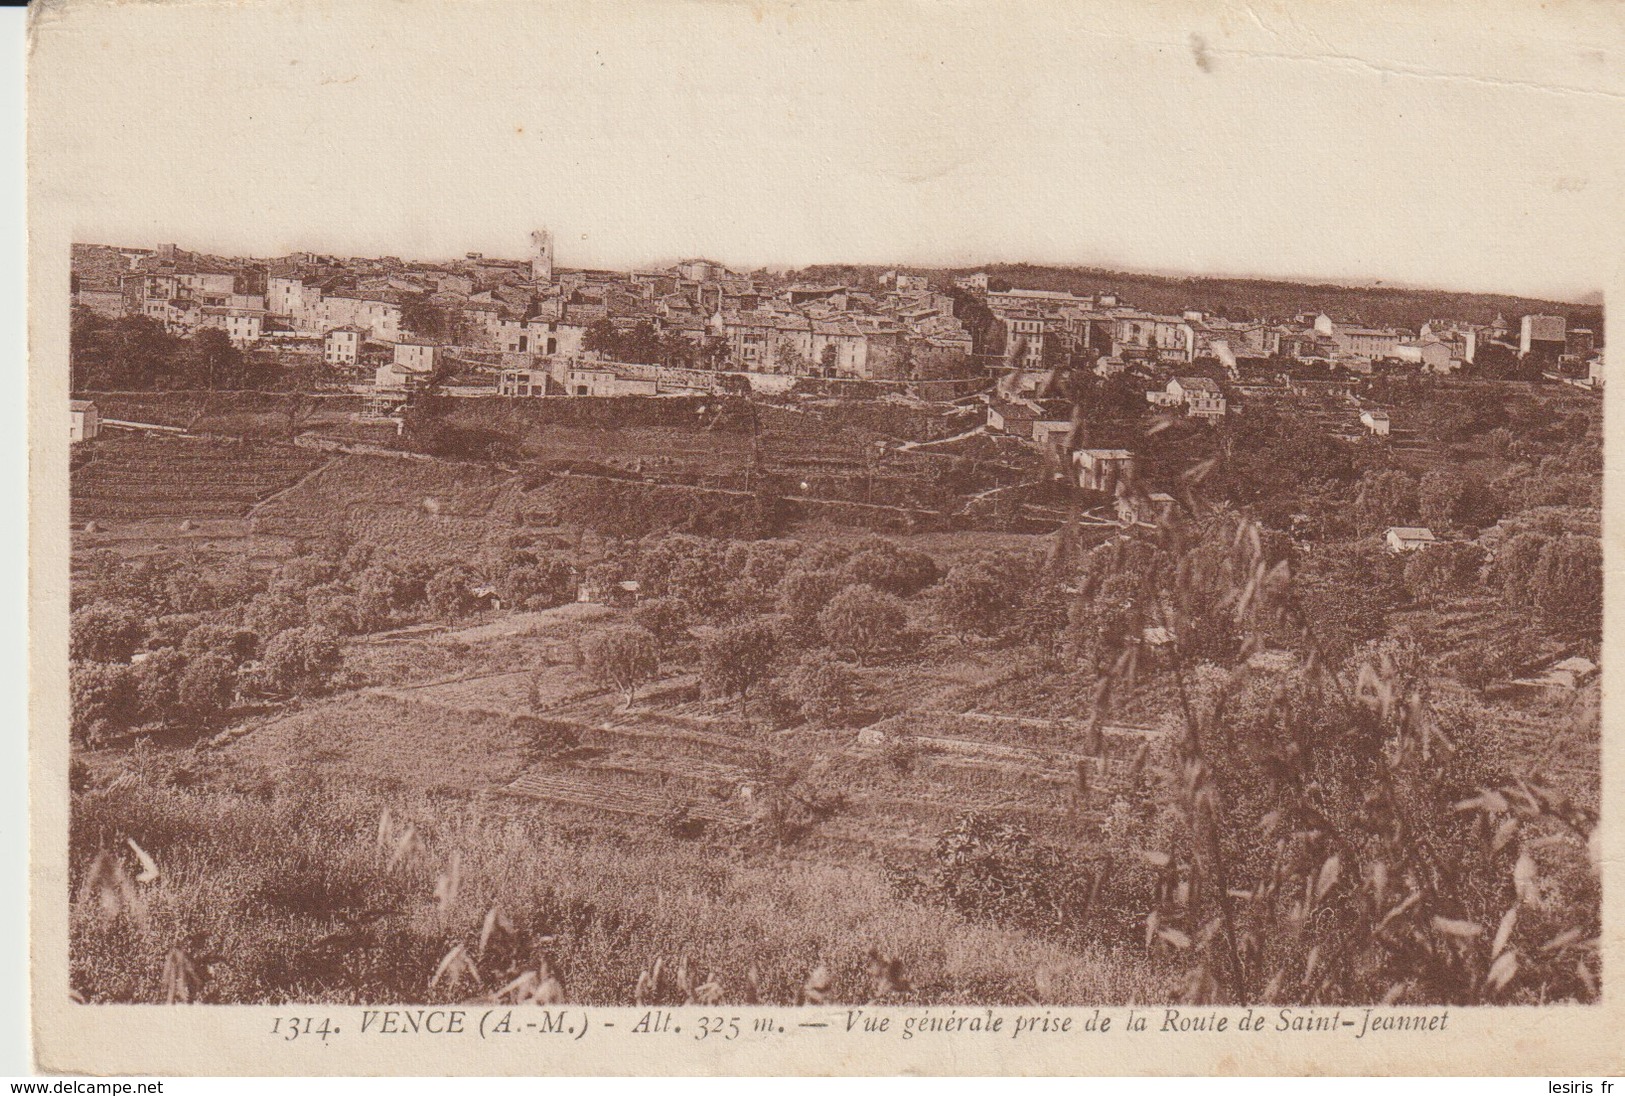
column 979, row 596
column 102, row 699
column 996, row 871
column 790, row 805
column 1516, row 564
column 863, row 620
column 766, row 562
column 207, row 686
column 158, row 685
column 884, row 566
column 272, row 612
column 1443, row 569
column 238, row 644
column 1384, row 498
column 303, row 660
column 1568, row 584
column 1346, row 825
column 171, row 630
column 1348, row 591
column 823, row 687
column 107, row 631
column 757, row 568
column 621, row 655
column 414, row 578
column 665, row 618
column 333, row 607
column 691, row 569
column 1450, row 499
column 737, row 657
column 379, row 591
column 539, row 583
column 804, row 593
column 823, row 555
column 450, row 592
column 699, row 583
column 298, row 575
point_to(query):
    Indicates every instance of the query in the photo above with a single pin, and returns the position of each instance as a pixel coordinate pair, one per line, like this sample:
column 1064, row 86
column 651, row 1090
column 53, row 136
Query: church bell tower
column 541, row 256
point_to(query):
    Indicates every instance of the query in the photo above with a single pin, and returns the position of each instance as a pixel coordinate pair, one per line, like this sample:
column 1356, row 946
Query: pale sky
column 1454, row 147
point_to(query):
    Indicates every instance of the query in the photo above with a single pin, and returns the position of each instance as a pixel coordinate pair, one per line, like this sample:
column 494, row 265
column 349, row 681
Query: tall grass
column 326, row 894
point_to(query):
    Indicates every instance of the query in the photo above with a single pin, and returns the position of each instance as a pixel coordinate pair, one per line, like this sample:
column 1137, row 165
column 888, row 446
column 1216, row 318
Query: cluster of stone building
column 525, row 316
column 524, row 324
column 1040, row 328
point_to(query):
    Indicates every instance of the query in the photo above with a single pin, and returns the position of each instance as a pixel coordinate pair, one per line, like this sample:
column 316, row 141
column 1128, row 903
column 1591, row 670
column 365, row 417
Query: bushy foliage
column 206, row 687
column 1568, row 584
column 533, row 580
column 823, row 687
column 333, row 607
column 981, row 595
column 764, row 563
column 1394, row 866
column 429, row 426
column 158, row 686
column 883, row 565
column 273, row 611
column 755, row 569
column 1348, row 590
column 1451, row 500
column 863, row 620
column 105, row 632
column 632, row 508
column 665, row 618
column 997, row 871
column 1384, row 498
column 1444, row 570
column 737, row 657
column 621, row 655
column 135, row 352
column 458, row 902
column 450, row 593
column 1516, row 564
column 101, row 699
column 302, row 660
column 691, row 569
column 299, row 575
column 804, row 592
column 379, row 591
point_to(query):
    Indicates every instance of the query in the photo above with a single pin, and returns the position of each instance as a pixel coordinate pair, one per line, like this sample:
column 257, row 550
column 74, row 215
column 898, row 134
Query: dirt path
column 253, row 511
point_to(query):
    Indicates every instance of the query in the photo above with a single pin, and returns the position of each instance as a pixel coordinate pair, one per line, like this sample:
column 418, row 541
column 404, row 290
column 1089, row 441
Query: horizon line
column 1592, row 298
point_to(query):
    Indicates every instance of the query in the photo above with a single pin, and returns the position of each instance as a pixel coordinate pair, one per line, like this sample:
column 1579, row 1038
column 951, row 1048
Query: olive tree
column 863, row 620
column 621, row 655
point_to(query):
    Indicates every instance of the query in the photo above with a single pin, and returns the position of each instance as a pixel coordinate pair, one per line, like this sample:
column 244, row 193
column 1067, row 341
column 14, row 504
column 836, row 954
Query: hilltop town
column 522, row 327
column 855, row 634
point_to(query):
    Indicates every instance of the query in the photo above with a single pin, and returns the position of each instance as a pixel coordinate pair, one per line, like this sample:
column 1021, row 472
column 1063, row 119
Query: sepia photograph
column 700, row 506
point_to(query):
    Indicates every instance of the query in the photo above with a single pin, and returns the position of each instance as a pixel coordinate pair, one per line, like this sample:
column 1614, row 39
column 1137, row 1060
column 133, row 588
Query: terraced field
column 171, row 479
column 901, row 788
column 414, row 508
column 547, row 735
column 553, row 737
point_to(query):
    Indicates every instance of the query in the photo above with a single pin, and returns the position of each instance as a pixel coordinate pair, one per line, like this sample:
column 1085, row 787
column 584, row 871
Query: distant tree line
column 642, row 344
column 135, row 352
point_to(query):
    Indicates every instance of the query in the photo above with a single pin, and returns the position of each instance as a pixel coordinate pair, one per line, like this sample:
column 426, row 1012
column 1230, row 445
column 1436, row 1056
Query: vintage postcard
column 685, row 537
